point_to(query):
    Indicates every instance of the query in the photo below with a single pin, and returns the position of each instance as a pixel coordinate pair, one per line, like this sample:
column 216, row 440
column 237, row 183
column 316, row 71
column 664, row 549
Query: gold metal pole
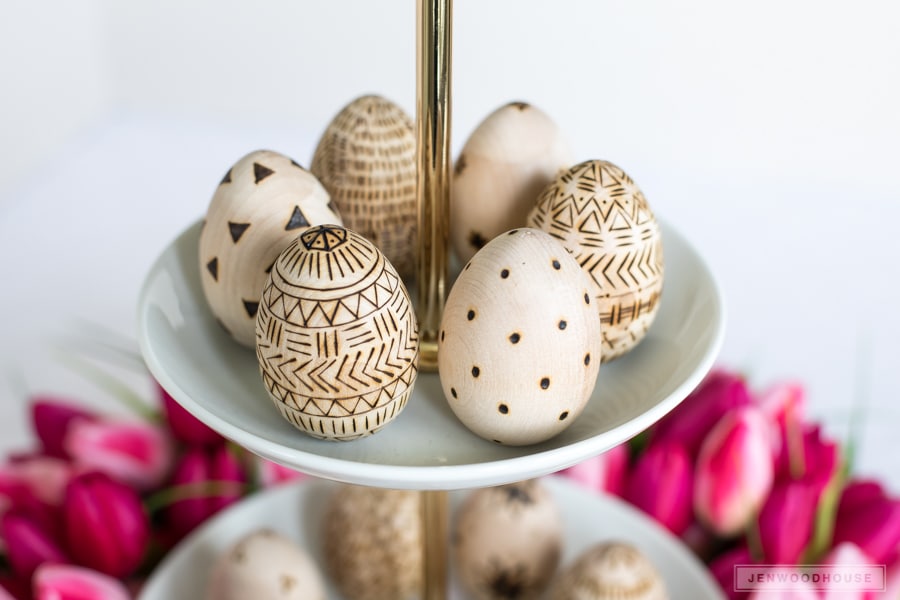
column 433, row 179
column 434, row 534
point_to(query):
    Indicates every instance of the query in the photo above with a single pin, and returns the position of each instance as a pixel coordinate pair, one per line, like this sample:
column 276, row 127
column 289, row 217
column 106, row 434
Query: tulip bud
column 136, row 453
column 206, row 480
column 27, row 544
column 58, row 582
column 690, row 421
column 661, row 484
column 184, row 426
column 51, row 419
column 734, row 471
column 869, row 519
column 106, row 527
column 786, row 521
column 603, row 473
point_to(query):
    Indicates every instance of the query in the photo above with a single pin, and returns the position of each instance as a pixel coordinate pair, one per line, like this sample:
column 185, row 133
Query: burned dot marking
column 545, row 383
column 504, row 409
column 251, row 307
column 563, row 415
column 453, row 392
column 476, row 240
column 504, row 273
column 213, row 268
column 227, row 178
column 513, row 232
column 237, row 230
column 587, row 299
column 497, row 442
column 476, row 372
column 260, row 172
column 460, row 165
column 470, row 315
column 514, row 338
column 587, row 359
column 562, row 324
column 468, row 264
column 556, row 264
column 443, row 335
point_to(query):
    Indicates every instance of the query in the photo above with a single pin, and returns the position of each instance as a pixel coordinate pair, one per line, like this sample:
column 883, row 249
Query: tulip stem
column 194, row 491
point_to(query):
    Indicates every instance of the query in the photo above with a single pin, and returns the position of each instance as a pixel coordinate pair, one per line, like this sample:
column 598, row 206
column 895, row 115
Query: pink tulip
column 208, row 480
column 28, row 545
column 786, row 521
column 136, row 453
column 602, row 473
column 271, row 473
column 849, row 555
column 661, row 485
column 892, row 589
column 814, row 458
column 734, row 471
column 722, row 570
column 184, row 426
column 869, row 519
column 43, row 477
column 691, row 420
column 76, row 583
column 51, row 419
column 106, row 527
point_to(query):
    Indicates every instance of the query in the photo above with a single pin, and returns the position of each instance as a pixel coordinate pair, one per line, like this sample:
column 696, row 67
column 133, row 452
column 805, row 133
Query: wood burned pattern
column 336, row 337
column 601, row 216
column 366, row 160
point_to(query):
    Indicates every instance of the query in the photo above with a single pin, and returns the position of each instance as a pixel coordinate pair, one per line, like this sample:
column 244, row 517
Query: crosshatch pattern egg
column 602, row 217
column 265, row 564
column 519, row 346
column 263, row 202
column 336, row 336
column 505, row 164
column 366, row 160
column 507, row 541
column 373, row 543
column 610, row 571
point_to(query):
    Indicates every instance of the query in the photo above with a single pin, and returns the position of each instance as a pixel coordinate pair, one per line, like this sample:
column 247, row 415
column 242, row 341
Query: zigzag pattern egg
column 601, row 216
column 336, row 336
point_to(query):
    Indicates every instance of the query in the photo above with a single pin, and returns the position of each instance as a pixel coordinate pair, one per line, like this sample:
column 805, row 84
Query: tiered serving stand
column 426, row 448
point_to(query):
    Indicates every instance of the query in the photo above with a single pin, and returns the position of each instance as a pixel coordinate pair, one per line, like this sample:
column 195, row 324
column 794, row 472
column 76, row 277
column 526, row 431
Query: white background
column 768, row 132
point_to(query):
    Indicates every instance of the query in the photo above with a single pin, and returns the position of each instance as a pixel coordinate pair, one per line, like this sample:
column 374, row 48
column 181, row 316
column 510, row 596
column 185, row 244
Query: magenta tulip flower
column 134, row 452
column 15, row 588
column 272, row 474
column 51, row 418
column 43, row 477
column 106, row 527
column 786, row 521
column 58, row 582
column 206, row 480
column 868, row 518
column 184, row 426
column 28, row 545
column 603, row 473
column 722, row 570
column 661, row 484
column 734, row 471
column 691, row 420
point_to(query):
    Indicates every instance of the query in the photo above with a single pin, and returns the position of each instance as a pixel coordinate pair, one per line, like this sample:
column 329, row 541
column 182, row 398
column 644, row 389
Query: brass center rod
column 433, row 169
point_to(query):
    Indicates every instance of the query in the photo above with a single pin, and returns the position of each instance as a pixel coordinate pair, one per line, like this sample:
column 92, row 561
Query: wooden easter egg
column 610, row 571
column 336, row 336
column 600, row 215
column 372, row 541
column 264, row 201
column 503, row 167
column 366, row 160
column 519, row 344
column 265, row 564
column 507, row 541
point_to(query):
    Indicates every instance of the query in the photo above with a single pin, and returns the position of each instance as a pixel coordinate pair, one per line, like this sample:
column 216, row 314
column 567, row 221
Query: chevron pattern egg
column 601, row 216
column 336, row 336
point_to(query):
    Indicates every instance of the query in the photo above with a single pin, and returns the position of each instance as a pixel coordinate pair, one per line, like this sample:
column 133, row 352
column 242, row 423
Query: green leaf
column 826, row 515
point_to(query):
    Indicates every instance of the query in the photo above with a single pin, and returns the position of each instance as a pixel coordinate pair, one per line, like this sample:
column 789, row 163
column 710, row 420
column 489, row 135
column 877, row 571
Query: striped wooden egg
column 366, row 160
column 336, row 336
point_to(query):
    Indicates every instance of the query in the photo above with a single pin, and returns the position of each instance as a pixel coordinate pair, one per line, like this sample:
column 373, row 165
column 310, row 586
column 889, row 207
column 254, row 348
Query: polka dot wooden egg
column 507, row 541
column 519, row 346
column 601, row 216
column 265, row 564
column 263, row 202
column 372, row 542
column 366, row 160
column 505, row 164
column 336, row 336
column 610, row 571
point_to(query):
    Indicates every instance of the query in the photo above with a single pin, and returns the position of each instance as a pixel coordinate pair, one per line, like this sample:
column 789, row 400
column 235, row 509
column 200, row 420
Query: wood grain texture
column 602, row 217
column 262, row 203
column 336, row 336
column 366, row 159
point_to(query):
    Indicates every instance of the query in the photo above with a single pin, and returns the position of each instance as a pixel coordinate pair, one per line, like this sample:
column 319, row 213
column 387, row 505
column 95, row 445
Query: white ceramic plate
column 295, row 511
column 425, row 447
